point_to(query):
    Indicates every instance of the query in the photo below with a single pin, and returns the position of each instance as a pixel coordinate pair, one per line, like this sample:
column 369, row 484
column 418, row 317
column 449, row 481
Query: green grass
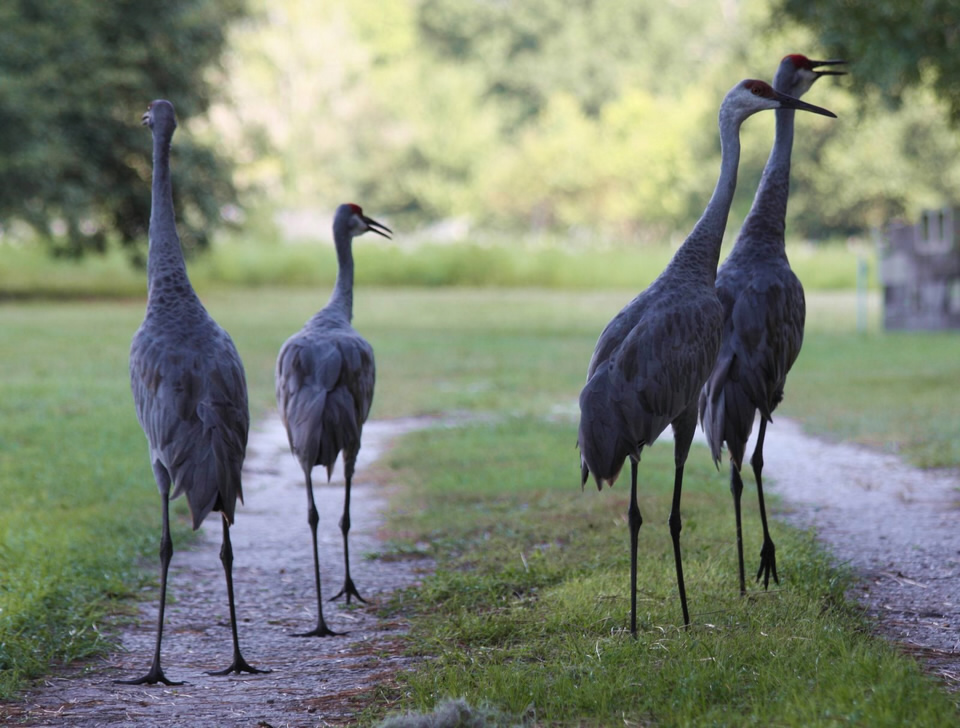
column 75, row 506
column 899, row 392
column 547, row 564
column 501, row 262
column 528, row 606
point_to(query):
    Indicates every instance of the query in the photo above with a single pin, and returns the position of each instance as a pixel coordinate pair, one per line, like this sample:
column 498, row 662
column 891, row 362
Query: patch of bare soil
column 314, row 681
column 896, row 526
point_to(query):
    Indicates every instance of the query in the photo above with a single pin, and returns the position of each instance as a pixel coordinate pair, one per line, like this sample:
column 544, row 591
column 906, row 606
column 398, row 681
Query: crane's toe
column 348, row 590
column 151, row 678
column 768, row 564
column 239, row 665
column 321, row 630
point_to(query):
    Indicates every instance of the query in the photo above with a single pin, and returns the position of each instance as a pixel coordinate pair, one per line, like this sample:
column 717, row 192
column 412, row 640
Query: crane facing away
column 189, row 390
column 324, row 380
column 764, row 310
column 654, row 356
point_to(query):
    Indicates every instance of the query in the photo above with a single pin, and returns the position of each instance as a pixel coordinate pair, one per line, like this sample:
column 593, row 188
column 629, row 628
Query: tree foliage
column 896, row 45
column 74, row 80
column 585, row 115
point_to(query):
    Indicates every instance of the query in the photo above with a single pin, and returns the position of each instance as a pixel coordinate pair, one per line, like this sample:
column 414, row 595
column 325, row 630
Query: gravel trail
column 897, row 526
column 313, row 681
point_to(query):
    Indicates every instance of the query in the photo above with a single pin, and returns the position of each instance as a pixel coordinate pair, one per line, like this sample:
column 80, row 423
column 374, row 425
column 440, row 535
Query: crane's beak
column 376, row 227
column 835, row 62
column 145, row 119
column 789, row 102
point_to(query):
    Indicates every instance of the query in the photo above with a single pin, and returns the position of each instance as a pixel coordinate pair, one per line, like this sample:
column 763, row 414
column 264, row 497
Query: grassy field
column 501, row 262
column 529, row 603
column 531, row 586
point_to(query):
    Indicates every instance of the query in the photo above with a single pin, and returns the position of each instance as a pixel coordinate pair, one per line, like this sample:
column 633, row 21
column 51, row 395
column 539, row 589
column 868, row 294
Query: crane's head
column 797, row 74
column 351, row 216
column 160, row 115
column 750, row 96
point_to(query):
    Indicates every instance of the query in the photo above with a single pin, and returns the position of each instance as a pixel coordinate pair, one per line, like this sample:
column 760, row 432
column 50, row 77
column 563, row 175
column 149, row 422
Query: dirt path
column 313, row 680
column 897, row 526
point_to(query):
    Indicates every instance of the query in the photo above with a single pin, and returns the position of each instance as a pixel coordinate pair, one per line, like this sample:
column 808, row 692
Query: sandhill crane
column 324, row 379
column 763, row 308
column 189, row 390
column 654, row 356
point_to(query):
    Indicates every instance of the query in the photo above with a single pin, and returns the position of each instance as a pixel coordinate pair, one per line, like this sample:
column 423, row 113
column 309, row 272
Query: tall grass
column 26, row 272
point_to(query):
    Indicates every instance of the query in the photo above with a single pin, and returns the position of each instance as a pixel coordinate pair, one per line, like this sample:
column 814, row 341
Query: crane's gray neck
column 341, row 300
column 699, row 255
column 766, row 221
column 165, row 266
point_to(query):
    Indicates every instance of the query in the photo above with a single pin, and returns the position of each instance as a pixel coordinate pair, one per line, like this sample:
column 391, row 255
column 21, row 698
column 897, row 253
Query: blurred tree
column 545, row 115
column 873, row 167
column 894, row 44
column 75, row 78
column 588, row 49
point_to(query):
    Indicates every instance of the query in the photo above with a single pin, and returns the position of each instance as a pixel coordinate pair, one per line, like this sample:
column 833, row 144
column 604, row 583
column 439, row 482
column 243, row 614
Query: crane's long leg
column 155, row 673
column 675, row 528
column 736, row 489
column 226, row 558
column 768, row 552
column 313, row 518
column 683, row 430
column 634, row 521
column 348, row 587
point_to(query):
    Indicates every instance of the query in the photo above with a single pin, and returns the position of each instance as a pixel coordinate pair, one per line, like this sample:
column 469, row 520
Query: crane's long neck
column 341, row 299
column 165, row 266
column 765, row 224
column 697, row 258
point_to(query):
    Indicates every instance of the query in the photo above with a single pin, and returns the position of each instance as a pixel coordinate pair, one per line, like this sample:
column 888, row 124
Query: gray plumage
column 764, row 312
column 654, row 356
column 188, row 387
column 324, row 382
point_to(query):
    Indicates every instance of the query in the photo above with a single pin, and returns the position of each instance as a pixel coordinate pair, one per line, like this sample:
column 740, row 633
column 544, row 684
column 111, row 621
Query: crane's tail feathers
column 604, row 437
column 711, row 420
column 585, row 475
column 727, row 411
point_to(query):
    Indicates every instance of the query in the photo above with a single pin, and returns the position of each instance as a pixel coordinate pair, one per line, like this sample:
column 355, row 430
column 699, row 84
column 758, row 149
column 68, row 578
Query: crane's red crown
column 356, row 208
column 800, row 61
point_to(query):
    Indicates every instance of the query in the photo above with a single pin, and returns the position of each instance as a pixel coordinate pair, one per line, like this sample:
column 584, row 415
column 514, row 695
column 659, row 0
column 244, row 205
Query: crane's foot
column 151, row 678
column 348, row 590
column 768, row 564
column 321, row 630
column 239, row 665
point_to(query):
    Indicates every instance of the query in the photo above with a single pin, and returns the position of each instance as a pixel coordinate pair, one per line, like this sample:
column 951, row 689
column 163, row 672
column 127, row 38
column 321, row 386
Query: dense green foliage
column 897, row 44
column 74, row 80
column 595, row 118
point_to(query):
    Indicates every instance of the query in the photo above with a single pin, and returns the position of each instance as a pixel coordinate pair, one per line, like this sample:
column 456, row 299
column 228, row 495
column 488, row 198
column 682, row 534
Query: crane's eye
column 756, row 91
